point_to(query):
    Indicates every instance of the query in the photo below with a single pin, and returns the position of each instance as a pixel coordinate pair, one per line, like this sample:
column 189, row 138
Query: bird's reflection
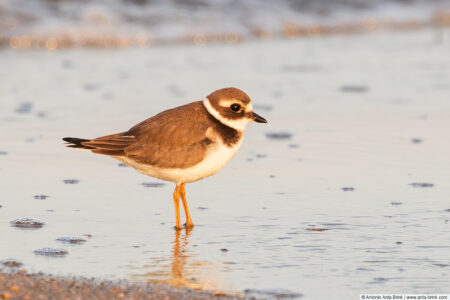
column 188, row 271
column 179, row 257
column 185, row 270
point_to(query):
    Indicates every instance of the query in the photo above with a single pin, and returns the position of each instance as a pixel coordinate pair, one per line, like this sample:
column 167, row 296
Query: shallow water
column 171, row 20
column 123, row 23
column 331, row 198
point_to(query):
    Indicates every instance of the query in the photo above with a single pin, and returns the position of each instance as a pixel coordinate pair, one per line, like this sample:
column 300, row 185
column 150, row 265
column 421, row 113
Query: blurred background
column 56, row 24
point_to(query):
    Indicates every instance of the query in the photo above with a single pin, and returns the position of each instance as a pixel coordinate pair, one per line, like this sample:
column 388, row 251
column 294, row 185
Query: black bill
column 258, row 118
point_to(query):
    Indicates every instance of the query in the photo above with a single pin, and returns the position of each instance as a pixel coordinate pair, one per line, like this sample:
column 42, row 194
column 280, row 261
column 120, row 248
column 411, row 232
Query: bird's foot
column 189, row 224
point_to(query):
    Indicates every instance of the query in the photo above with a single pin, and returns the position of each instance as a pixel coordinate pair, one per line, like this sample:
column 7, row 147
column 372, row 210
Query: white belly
column 215, row 159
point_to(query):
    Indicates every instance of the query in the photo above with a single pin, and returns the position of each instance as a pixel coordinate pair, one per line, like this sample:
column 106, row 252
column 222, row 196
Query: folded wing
column 169, row 140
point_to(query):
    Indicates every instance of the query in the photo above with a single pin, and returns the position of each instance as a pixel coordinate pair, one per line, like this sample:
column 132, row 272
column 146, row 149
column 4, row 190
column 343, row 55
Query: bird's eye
column 235, row 107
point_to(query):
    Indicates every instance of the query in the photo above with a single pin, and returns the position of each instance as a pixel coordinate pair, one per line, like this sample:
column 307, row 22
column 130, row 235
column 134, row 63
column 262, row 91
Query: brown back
column 164, row 139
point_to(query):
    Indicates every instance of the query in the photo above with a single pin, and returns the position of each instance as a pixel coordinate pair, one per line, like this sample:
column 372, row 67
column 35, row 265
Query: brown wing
column 171, row 139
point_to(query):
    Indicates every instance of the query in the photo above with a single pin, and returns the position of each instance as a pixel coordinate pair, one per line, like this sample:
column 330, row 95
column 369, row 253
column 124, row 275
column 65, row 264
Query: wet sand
column 346, row 187
column 25, row 286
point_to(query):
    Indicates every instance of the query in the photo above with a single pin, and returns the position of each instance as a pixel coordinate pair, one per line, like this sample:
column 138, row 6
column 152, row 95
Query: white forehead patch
column 239, row 124
column 228, row 102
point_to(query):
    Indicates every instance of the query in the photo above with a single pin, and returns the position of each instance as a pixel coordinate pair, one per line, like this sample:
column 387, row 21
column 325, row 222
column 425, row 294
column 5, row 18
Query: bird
column 183, row 144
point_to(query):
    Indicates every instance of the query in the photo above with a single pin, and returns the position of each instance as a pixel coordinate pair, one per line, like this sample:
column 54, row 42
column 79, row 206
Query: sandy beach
column 345, row 191
column 36, row 286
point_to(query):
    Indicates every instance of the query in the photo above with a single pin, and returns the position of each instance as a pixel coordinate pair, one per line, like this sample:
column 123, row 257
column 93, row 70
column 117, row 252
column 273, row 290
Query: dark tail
column 77, row 143
column 112, row 145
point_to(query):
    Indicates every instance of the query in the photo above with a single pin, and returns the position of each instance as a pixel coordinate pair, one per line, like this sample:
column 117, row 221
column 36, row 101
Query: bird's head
column 232, row 107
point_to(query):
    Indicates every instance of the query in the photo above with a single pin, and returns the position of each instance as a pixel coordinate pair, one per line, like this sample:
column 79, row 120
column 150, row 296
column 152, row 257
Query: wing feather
column 174, row 138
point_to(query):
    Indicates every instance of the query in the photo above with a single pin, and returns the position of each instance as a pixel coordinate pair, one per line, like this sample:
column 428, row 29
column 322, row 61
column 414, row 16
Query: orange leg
column 189, row 222
column 176, row 201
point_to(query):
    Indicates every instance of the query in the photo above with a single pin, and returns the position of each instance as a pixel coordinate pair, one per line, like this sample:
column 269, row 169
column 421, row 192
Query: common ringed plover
column 182, row 144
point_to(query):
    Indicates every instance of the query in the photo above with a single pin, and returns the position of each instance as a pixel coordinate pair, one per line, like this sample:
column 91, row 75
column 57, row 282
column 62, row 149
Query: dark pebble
column 279, row 135
column 27, row 223
column 153, row 184
column 364, row 269
column 348, row 189
column 421, row 184
column 202, row 208
column 442, row 265
column 447, row 210
column 41, row 197
column 416, row 140
column 396, row 203
column 24, row 108
column 71, row 181
column 399, row 243
column 224, row 250
column 122, row 165
column 51, row 252
column 271, row 176
column 3, row 153
column 354, row 89
column 71, row 240
column 11, row 262
column 380, row 279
